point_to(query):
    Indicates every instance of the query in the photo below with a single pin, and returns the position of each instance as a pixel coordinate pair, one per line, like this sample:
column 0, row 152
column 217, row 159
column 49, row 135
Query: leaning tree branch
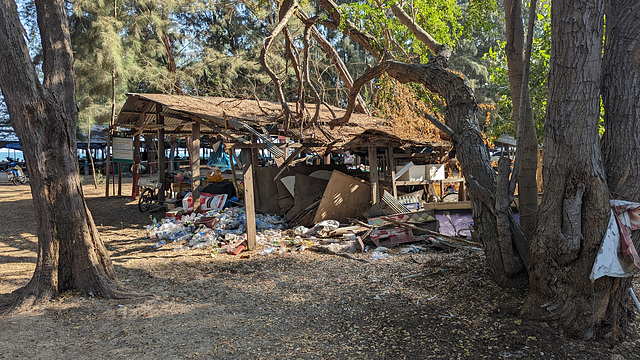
column 440, row 50
column 503, row 225
column 357, row 85
column 487, row 198
column 334, row 56
column 294, row 56
column 442, row 126
column 305, row 77
column 263, row 60
column 349, row 29
column 291, row 53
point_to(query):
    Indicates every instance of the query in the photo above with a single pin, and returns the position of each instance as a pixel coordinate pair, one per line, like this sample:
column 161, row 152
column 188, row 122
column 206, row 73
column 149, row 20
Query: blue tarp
column 220, row 159
column 14, row 146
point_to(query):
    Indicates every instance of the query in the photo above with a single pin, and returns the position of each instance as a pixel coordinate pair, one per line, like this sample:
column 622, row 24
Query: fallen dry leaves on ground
column 432, row 304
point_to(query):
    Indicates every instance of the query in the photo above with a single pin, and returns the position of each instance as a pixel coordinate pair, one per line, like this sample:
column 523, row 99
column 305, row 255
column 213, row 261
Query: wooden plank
column 195, row 166
column 161, row 164
column 245, row 146
column 462, row 192
column 307, row 190
column 455, row 205
column 107, row 164
column 136, row 166
column 373, row 174
column 288, row 161
column 249, row 198
column 119, row 179
column 234, row 177
column 392, row 168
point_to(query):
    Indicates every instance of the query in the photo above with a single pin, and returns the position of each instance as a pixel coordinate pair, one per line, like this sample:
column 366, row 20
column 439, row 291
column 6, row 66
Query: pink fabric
column 627, row 247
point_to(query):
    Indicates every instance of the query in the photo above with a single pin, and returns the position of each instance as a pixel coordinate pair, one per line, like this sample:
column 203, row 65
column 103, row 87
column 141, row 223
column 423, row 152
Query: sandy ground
column 432, row 304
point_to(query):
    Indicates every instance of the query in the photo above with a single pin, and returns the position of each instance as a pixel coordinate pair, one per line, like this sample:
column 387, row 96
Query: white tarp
column 617, row 257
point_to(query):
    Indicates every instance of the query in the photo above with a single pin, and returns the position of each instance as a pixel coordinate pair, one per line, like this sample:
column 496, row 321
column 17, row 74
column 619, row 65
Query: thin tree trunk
column 620, row 142
column 93, row 167
column 574, row 210
column 518, row 63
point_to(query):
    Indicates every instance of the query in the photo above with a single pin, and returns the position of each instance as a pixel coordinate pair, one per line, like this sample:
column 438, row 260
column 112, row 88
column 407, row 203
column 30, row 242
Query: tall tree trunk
column 71, row 255
column 574, row 210
column 620, row 142
column 527, row 139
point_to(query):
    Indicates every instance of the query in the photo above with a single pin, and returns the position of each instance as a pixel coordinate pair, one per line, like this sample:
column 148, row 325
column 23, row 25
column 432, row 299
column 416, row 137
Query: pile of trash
column 222, row 229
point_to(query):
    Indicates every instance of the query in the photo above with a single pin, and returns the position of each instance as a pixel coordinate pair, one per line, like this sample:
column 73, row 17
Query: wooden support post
column 462, row 192
column 161, row 163
column 136, row 166
column 107, row 164
column 232, row 158
column 119, row 179
column 195, row 166
column 373, row 174
column 254, row 151
column 392, row 172
column 249, row 198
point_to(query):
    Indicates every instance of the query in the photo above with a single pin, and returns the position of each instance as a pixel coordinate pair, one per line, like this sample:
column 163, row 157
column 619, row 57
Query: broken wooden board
column 307, row 190
column 266, row 191
column 345, row 197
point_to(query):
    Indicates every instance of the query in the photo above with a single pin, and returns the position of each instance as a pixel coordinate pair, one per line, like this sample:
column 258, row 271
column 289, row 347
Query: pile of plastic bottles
column 203, row 237
column 169, row 229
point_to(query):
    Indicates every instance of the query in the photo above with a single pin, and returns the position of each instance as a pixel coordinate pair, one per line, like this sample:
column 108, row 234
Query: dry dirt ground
column 433, row 304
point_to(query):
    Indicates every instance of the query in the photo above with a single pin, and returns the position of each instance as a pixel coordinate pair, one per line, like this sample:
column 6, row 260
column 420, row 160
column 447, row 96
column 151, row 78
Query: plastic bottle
column 268, row 250
column 157, row 245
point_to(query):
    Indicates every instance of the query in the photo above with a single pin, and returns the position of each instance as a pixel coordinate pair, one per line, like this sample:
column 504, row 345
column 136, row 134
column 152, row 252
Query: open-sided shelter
column 250, row 125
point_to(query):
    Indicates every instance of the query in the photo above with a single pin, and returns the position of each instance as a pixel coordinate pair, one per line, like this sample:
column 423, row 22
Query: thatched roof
column 235, row 118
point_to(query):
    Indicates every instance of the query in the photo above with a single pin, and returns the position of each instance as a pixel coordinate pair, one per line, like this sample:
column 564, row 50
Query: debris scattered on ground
column 224, row 231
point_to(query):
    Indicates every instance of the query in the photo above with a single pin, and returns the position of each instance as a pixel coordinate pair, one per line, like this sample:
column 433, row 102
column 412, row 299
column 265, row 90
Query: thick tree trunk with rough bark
column 620, row 142
column 460, row 117
column 71, row 255
column 574, row 210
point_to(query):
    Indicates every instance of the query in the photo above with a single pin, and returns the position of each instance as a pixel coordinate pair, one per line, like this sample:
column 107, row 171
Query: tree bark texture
column 471, row 151
column 620, row 142
column 525, row 125
column 71, row 255
column 574, row 211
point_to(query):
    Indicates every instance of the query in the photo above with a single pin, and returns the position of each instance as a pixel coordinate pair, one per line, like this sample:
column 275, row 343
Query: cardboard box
column 175, row 213
column 414, row 173
column 434, row 172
